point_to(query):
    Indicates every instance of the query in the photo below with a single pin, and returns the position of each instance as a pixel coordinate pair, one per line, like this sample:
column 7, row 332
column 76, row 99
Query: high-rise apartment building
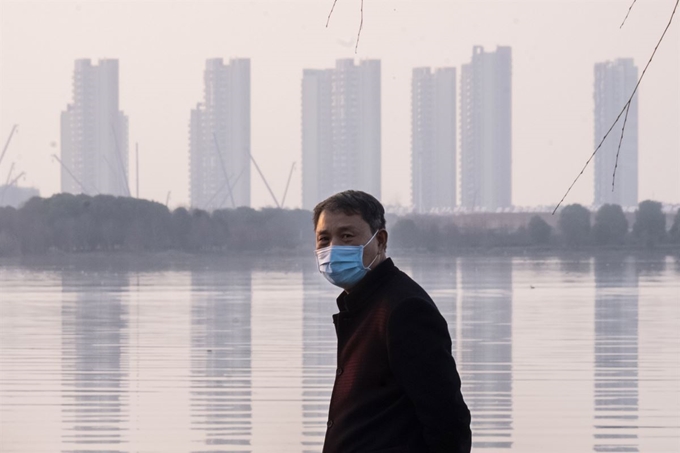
column 341, row 139
column 94, row 133
column 614, row 83
column 317, row 136
column 486, row 130
column 433, row 139
column 219, row 137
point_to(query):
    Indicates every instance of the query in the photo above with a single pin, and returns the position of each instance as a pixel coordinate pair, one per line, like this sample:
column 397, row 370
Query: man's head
column 352, row 217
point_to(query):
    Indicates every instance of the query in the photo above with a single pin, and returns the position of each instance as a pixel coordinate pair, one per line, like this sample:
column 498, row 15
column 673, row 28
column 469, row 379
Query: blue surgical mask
column 343, row 265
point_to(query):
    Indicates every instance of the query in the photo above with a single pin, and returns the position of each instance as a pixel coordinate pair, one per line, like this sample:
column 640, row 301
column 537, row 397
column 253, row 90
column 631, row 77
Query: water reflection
column 441, row 286
column 578, row 265
column 221, row 404
column 486, row 352
column 318, row 356
column 225, row 357
column 616, row 356
column 94, row 366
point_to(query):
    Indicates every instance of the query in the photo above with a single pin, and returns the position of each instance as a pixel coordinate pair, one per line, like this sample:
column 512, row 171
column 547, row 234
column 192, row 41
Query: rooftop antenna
column 224, row 170
column 283, row 200
column 85, row 191
column 4, row 150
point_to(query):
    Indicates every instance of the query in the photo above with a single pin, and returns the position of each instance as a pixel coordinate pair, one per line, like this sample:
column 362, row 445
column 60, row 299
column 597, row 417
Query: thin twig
column 588, row 162
column 624, row 107
column 329, row 14
column 361, row 25
column 618, row 150
column 629, row 8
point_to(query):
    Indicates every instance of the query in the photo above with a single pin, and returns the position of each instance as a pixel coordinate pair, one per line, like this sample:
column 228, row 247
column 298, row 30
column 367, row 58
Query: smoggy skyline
column 162, row 48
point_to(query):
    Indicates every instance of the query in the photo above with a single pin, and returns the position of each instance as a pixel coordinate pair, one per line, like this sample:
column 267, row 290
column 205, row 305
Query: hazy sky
column 162, row 47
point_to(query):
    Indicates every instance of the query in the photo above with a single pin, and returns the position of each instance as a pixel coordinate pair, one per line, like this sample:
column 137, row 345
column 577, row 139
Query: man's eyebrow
column 340, row 229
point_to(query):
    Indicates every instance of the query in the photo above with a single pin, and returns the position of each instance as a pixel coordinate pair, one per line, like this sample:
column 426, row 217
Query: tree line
column 576, row 226
column 82, row 223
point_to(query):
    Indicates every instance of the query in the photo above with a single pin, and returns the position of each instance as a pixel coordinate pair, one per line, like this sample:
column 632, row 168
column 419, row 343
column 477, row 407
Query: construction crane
column 120, row 160
column 224, row 170
column 137, row 169
column 257, row 167
column 7, row 186
column 285, row 192
column 4, row 150
column 9, row 175
column 15, row 180
column 230, row 186
column 63, row 165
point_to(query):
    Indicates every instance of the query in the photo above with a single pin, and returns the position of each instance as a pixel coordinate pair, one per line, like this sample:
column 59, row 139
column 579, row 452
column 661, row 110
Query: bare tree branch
column 361, row 25
column 618, row 150
column 625, row 107
column 629, row 8
column 329, row 14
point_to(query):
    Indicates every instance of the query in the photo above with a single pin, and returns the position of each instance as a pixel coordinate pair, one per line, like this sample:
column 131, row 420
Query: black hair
column 353, row 202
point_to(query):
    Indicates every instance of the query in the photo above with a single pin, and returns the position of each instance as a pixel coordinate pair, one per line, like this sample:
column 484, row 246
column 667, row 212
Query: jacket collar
column 356, row 299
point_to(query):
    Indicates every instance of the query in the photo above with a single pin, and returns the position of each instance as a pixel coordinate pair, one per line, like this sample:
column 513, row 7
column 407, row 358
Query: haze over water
column 107, row 354
column 162, row 48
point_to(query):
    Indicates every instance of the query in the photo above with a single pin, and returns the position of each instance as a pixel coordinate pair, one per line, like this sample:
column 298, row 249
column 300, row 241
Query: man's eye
column 346, row 236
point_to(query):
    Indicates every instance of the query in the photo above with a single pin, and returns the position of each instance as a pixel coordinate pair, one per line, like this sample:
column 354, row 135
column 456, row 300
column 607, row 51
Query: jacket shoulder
column 401, row 287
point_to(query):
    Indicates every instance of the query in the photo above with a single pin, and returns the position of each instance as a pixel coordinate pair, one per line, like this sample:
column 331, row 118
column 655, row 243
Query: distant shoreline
column 78, row 225
column 293, row 260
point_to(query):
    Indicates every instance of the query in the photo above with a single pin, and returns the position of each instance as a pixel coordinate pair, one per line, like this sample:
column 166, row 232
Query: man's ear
column 382, row 239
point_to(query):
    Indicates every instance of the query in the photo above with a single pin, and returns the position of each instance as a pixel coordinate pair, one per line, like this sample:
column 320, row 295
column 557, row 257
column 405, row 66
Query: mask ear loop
column 377, row 255
column 372, row 237
column 371, row 263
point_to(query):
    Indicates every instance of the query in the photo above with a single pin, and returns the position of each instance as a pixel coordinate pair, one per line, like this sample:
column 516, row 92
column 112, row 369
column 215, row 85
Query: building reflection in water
column 486, row 350
column 575, row 266
column 616, row 356
column 438, row 276
column 94, row 361
column 221, row 359
column 319, row 348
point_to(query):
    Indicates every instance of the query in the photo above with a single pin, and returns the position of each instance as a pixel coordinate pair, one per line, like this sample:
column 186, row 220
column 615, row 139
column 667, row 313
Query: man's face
column 338, row 228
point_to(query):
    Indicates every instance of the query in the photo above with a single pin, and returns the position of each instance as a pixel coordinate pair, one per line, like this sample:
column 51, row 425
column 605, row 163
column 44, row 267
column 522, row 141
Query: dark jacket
column 396, row 387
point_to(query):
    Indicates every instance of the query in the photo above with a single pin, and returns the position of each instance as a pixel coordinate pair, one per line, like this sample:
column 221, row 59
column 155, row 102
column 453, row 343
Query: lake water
column 206, row 354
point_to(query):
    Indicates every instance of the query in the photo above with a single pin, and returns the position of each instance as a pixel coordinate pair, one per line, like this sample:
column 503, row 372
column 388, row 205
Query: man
column 396, row 389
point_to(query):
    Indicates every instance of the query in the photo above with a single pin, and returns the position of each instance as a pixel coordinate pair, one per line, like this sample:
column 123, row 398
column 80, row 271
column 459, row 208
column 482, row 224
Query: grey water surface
column 105, row 354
